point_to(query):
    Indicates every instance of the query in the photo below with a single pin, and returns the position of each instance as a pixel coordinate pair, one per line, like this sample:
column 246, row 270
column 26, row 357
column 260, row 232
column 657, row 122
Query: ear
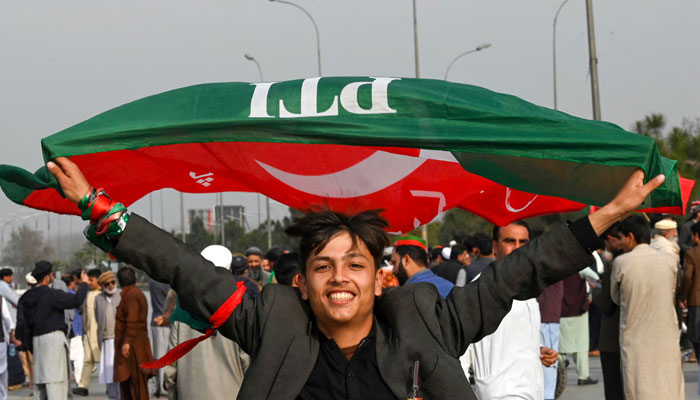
column 300, row 281
column 378, row 281
column 296, row 280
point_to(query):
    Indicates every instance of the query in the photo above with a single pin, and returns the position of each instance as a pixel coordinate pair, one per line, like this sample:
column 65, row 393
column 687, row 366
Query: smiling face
column 340, row 283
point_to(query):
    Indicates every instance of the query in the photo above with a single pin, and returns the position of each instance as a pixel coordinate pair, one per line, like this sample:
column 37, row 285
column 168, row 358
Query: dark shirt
column 43, row 308
column 477, row 266
column 334, row 377
column 575, row 300
column 550, row 302
column 448, row 270
column 158, row 291
column 250, row 286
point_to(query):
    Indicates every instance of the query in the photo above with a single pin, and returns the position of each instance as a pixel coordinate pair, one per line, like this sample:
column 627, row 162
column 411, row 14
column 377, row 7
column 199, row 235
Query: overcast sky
column 66, row 61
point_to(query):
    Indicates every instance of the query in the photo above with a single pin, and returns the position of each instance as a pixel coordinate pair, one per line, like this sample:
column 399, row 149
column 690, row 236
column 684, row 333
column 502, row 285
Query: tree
column 89, row 254
column 26, row 247
column 199, row 238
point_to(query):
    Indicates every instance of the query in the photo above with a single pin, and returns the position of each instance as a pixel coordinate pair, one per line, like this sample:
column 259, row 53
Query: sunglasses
column 110, row 283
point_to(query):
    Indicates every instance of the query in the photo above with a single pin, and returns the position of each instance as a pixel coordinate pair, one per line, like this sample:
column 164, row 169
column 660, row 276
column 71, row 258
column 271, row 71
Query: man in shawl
column 106, row 304
column 43, row 309
column 131, row 345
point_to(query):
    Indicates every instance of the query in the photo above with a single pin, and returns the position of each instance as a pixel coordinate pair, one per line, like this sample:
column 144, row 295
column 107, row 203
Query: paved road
column 572, row 392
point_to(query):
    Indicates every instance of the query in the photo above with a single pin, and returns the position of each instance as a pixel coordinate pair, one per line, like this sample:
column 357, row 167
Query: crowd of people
column 349, row 314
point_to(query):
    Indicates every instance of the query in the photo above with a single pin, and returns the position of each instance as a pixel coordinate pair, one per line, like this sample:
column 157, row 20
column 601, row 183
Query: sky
column 64, row 62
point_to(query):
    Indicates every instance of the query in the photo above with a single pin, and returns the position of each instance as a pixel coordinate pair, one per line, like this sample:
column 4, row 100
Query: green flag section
column 353, row 142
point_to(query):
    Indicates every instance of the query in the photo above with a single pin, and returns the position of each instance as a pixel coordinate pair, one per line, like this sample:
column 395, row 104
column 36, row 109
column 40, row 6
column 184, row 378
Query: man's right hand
column 70, row 178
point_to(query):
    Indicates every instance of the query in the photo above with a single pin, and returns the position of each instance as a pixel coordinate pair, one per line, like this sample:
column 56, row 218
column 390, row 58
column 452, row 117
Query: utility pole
column 424, row 228
column 593, row 61
column 182, row 217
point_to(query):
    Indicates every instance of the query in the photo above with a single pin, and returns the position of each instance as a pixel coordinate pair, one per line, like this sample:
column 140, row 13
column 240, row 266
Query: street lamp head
column 249, row 56
column 483, row 46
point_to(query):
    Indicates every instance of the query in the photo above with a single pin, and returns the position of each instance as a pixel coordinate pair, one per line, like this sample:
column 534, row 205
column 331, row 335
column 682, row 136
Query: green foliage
column 87, row 255
column 25, row 247
column 199, row 238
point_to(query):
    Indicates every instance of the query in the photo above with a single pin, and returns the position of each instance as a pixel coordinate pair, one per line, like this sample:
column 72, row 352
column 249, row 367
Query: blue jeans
column 549, row 335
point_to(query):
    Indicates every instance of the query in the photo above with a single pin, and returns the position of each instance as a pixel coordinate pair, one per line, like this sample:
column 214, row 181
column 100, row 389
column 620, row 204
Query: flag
column 414, row 147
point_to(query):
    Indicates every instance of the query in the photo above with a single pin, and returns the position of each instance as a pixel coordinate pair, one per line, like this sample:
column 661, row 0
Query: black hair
column 286, row 267
column 67, row 279
column 470, row 243
column 126, row 276
column 638, row 227
column 456, row 251
column 614, row 231
column 5, row 272
column 417, row 254
column 316, row 229
column 94, row 273
column 520, row 222
column 273, row 254
column 484, row 243
column 435, row 252
column 695, row 228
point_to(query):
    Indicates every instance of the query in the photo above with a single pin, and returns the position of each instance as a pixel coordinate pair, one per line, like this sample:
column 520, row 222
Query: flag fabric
column 414, row 147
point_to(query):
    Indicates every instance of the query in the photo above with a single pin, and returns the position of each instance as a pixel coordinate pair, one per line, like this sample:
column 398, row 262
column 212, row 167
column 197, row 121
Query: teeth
column 341, row 296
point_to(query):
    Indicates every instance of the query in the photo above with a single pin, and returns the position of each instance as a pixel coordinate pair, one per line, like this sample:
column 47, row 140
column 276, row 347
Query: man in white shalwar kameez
column 508, row 363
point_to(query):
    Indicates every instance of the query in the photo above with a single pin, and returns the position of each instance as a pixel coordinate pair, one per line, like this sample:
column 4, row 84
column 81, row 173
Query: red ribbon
column 102, row 205
column 217, row 319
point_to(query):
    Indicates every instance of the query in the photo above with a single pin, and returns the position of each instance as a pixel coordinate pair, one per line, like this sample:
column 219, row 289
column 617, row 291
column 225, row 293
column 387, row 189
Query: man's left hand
column 548, row 356
column 125, row 350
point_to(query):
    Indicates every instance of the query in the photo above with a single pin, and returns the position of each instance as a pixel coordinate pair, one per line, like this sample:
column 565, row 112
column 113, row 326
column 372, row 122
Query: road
column 572, row 392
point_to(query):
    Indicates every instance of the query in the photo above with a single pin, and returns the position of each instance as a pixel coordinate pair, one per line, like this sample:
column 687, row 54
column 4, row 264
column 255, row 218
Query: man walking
column 644, row 284
column 131, row 345
column 159, row 333
column 91, row 347
column 43, row 309
column 690, row 290
column 106, row 304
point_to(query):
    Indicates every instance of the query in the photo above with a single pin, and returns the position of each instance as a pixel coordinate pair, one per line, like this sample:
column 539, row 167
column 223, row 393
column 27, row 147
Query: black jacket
column 42, row 309
column 414, row 322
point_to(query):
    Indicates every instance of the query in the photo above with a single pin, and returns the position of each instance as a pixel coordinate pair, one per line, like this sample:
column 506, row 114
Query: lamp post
column 250, row 57
column 318, row 36
column 474, row 50
column 554, row 51
column 593, row 61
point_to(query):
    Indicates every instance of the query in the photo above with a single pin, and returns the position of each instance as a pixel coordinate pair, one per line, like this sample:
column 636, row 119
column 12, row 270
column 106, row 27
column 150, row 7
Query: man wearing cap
column 339, row 335
column 666, row 237
column 43, row 312
column 255, row 271
column 239, row 266
column 410, row 262
column 106, row 304
column 215, row 368
column 690, row 290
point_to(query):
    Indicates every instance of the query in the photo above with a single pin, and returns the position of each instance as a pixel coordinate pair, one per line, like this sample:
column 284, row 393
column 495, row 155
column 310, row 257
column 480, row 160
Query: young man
column 410, row 264
column 338, row 336
column 91, row 347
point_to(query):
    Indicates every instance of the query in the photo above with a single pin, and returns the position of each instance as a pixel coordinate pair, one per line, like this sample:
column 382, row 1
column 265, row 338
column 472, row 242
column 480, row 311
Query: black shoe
column 587, row 381
column 80, row 391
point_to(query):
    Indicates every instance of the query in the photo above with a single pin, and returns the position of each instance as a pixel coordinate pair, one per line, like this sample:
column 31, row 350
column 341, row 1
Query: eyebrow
column 346, row 256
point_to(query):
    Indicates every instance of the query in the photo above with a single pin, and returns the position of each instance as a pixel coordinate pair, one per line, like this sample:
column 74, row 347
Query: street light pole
column 415, row 44
column 593, row 61
column 474, row 50
column 318, row 36
column 250, row 57
column 554, row 51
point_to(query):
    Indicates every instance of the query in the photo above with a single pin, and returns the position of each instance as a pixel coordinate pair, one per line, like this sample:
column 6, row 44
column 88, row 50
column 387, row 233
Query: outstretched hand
column 70, row 178
column 629, row 198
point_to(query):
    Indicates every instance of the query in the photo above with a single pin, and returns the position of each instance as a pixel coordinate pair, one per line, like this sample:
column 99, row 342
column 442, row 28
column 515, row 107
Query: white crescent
column 376, row 172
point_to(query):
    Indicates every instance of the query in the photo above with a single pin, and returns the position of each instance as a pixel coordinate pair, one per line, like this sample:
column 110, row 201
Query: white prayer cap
column 666, row 224
column 453, row 242
column 30, row 279
column 446, row 251
column 219, row 255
